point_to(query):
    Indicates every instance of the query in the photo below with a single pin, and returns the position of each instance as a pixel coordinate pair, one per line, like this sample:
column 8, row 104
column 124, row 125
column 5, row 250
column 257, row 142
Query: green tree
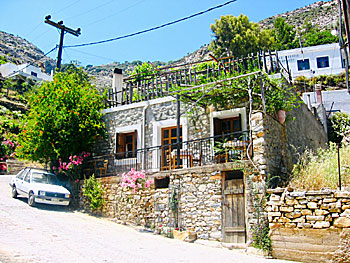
column 284, row 35
column 339, row 124
column 311, row 35
column 237, row 36
column 64, row 118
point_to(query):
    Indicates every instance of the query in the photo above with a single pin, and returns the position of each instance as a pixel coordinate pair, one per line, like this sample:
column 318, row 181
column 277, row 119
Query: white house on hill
column 25, row 70
column 313, row 61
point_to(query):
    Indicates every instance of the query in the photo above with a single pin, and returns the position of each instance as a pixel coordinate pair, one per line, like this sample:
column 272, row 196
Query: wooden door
column 234, row 207
column 169, row 138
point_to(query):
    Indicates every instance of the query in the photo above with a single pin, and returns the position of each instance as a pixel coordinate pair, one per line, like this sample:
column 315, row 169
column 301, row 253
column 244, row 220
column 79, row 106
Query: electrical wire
column 89, row 54
column 40, row 35
column 30, row 32
column 114, row 14
column 36, row 27
column 153, row 28
column 32, row 63
column 89, row 11
column 64, row 8
column 66, row 54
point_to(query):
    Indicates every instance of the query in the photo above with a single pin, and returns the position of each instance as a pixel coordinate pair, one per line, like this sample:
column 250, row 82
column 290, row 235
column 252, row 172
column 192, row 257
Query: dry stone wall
column 308, row 225
column 198, row 194
column 277, row 147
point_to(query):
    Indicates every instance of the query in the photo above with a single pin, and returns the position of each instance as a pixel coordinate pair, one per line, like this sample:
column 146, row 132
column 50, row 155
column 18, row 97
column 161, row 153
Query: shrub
column 64, row 118
column 339, row 124
column 94, row 193
column 319, row 170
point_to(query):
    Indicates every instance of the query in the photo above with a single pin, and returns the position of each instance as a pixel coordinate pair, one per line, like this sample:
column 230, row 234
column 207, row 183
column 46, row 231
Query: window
column 227, row 126
column 22, row 174
column 27, row 178
column 169, row 137
column 323, row 62
column 126, row 145
column 34, row 74
column 160, row 183
column 303, row 64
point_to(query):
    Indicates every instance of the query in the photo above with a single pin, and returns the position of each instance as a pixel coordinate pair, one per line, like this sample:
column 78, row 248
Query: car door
column 19, row 181
column 26, row 183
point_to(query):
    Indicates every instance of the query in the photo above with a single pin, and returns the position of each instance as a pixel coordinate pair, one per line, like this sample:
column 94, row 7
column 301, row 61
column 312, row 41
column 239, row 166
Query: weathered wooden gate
column 234, row 207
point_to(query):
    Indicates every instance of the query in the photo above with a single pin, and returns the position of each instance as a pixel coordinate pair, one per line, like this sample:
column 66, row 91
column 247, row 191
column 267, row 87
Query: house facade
column 25, row 70
column 210, row 164
column 313, row 61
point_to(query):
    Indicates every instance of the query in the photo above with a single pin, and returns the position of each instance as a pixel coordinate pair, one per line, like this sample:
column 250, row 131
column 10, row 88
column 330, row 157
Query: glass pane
column 165, row 134
column 226, row 126
column 322, row 62
column 236, row 125
column 303, row 64
column 129, row 139
column 44, row 178
column 173, row 132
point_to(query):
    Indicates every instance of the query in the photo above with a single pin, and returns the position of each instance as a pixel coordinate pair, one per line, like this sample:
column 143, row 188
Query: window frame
column 303, row 60
column 219, row 122
column 317, row 58
column 121, row 151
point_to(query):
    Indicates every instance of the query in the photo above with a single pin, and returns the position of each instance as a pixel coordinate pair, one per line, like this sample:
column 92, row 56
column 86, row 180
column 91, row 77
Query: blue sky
column 104, row 19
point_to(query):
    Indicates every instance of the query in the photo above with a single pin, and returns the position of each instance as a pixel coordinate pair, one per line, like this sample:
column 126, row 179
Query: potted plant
column 280, row 100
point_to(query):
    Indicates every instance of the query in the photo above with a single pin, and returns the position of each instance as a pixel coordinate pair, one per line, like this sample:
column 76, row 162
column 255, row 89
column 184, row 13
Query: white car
column 39, row 186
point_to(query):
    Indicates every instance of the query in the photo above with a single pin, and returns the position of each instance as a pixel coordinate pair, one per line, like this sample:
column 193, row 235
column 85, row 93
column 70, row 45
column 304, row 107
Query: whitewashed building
column 25, row 70
column 313, row 61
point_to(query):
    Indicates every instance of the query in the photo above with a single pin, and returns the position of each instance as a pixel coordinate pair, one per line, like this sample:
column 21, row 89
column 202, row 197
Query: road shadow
column 47, row 207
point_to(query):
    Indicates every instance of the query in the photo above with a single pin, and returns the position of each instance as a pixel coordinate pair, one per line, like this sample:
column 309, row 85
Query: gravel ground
column 57, row 234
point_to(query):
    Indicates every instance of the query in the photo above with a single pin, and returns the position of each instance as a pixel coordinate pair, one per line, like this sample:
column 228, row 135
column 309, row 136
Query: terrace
column 230, row 139
column 167, row 81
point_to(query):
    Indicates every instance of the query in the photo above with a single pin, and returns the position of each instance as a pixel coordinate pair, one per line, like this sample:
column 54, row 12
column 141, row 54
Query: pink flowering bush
column 71, row 168
column 135, row 180
column 7, row 149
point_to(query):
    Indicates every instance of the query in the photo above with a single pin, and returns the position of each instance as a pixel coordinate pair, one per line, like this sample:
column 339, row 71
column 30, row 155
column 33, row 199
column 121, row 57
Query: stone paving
column 57, row 234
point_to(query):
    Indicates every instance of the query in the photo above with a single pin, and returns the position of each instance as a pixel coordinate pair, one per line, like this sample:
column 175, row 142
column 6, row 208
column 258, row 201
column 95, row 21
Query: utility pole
column 345, row 7
column 346, row 11
column 63, row 29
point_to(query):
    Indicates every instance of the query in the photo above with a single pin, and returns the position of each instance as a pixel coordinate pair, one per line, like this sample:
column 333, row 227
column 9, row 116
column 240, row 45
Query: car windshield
column 44, row 178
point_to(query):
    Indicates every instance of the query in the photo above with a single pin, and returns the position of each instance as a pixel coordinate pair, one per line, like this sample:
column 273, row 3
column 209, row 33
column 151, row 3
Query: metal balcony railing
column 211, row 150
column 166, row 80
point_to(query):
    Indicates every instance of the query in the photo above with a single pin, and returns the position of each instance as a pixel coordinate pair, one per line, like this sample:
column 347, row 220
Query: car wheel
column 14, row 192
column 31, row 199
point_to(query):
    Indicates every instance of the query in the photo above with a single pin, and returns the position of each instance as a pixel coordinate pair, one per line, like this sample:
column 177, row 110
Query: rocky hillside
column 321, row 13
column 19, row 50
column 102, row 75
column 324, row 14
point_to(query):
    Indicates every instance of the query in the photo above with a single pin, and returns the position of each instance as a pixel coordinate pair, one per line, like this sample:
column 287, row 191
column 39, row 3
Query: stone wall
column 198, row 192
column 277, row 147
column 123, row 116
column 307, row 226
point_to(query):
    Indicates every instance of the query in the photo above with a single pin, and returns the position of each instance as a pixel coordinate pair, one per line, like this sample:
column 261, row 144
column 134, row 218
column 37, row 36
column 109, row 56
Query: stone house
column 210, row 164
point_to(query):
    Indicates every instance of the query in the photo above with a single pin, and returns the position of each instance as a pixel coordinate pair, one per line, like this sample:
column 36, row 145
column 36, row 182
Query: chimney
column 318, row 89
column 117, row 85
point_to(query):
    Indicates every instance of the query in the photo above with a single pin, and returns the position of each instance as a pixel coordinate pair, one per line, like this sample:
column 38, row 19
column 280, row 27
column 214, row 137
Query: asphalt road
column 56, row 234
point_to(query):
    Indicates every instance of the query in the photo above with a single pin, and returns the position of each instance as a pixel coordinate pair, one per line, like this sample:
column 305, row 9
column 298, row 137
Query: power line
column 89, row 11
column 64, row 8
column 114, row 14
column 36, row 27
column 153, row 28
column 89, row 54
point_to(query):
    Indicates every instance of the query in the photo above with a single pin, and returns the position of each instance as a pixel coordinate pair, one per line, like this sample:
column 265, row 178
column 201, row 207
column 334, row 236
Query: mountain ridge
column 324, row 14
